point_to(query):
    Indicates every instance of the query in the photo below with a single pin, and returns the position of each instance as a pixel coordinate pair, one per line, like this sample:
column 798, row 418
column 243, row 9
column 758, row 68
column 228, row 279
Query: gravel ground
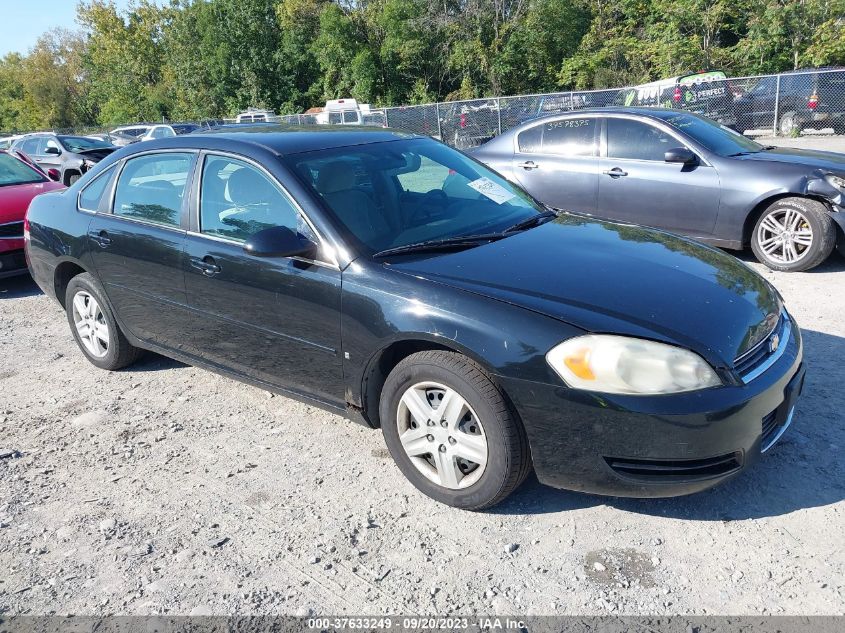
column 170, row 490
column 167, row 489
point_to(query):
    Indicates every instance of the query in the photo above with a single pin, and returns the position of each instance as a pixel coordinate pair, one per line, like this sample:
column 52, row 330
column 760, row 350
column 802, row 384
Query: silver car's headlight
column 836, row 181
column 619, row 364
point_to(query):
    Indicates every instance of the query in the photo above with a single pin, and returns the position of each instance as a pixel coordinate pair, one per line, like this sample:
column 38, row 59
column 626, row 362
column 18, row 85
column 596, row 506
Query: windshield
column 396, row 193
column 82, row 143
column 15, row 172
column 717, row 138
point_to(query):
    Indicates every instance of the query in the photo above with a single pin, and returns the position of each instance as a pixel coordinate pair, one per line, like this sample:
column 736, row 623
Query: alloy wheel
column 90, row 323
column 442, row 435
column 785, row 236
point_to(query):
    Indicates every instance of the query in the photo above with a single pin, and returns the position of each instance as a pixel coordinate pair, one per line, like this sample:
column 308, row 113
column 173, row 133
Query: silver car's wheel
column 785, row 236
column 793, row 234
column 442, row 435
column 90, row 323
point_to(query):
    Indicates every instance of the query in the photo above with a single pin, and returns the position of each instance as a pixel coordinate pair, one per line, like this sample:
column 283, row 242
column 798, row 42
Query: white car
column 128, row 134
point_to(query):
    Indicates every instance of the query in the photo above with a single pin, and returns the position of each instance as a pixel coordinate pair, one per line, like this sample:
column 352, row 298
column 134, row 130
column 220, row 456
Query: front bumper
column 656, row 446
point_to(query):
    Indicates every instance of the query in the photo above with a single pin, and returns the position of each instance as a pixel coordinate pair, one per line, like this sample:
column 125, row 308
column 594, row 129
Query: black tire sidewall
column 86, row 283
column 495, row 475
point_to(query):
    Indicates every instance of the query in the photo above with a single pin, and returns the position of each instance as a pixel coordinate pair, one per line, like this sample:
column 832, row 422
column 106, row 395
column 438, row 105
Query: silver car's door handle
column 615, row 172
column 528, row 165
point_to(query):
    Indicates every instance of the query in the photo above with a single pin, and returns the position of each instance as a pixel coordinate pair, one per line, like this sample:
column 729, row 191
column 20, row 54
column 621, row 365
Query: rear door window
column 151, row 188
column 32, row 146
column 570, row 137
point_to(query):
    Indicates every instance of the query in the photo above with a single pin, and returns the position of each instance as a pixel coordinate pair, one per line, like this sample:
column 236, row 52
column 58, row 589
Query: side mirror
column 680, row 155
column 53, row 151
column 53, row 174
column 279, row 241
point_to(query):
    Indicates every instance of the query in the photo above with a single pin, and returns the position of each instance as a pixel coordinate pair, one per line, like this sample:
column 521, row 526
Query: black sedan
column 388, row 277
column 685, row 173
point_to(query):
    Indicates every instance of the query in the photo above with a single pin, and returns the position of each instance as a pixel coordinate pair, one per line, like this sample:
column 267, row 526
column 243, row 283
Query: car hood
column 15, row 199
column 97, row 154
column 827, row 161
column 617, row 278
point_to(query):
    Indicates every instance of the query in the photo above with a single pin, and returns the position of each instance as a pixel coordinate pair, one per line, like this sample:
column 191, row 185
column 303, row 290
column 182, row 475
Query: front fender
column 383, row 308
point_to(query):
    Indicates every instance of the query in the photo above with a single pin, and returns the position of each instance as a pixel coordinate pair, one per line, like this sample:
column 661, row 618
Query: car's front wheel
column 794, row 234
column 94, row 327
column 451, row 432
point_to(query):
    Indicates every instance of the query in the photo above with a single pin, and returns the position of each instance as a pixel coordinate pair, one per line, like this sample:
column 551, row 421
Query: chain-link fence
column 787, row 104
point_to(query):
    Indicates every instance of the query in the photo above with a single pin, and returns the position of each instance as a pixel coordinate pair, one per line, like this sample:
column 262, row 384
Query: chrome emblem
column 774, row 342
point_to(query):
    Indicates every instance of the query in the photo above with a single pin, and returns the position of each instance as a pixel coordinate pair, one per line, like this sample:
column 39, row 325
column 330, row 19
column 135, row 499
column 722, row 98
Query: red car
column 20, row 182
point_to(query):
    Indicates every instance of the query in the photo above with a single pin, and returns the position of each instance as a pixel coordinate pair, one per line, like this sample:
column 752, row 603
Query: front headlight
column 619, row 364
column 836, row 181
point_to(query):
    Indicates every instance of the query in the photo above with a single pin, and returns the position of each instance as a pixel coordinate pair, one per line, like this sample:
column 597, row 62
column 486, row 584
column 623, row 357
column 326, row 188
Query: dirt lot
column 168, row 489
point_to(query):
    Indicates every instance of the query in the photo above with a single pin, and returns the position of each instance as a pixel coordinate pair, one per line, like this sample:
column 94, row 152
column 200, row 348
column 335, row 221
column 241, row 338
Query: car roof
column 283, row 139
column 651, row 113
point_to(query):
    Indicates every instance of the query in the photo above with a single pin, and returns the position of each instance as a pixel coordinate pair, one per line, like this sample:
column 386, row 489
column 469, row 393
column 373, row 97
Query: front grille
column 12, row 230
column 675, row 470
column 750, row 363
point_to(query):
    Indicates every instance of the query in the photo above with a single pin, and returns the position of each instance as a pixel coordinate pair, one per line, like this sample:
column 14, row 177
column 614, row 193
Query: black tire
column 508, row 458
column 120, row 352
column 72, row 178
column 821, row 224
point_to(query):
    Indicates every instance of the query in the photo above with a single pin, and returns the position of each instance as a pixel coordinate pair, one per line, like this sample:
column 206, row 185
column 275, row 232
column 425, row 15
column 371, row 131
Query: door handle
column 207, row 266
column 528, row 165
column 615, row 172
column 101, row 237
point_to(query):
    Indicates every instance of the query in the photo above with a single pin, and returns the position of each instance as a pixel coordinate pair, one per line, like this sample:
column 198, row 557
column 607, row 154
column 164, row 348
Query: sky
column 22, row 21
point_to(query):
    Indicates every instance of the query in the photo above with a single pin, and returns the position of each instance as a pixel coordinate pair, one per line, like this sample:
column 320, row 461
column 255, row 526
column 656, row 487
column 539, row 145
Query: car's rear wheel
column 94, row 327
column 451, row 432
column 793, row 234
column 788, row 125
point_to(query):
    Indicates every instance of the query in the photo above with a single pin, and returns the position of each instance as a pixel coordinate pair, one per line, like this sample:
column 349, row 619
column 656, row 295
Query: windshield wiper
column 459, row 241
column 529, row 222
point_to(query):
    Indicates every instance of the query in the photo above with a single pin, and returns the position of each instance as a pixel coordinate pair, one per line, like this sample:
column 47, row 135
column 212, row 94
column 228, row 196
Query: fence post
column 499, row 112
column 437, row 112
column 571, row 100
column 386, row 118
column 777, row 103
column 299, row 119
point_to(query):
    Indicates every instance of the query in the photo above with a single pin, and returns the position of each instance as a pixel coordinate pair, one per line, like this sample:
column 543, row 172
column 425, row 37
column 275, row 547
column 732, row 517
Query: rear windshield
column 713, row 136
column 185, row 128
column 15, row 172
column 396, row 193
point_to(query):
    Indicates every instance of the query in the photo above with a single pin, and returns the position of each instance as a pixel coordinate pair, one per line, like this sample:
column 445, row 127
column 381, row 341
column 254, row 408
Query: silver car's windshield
column 391, row 194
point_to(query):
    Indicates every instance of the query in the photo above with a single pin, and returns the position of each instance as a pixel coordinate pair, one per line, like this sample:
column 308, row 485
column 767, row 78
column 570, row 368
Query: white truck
column 350, row 112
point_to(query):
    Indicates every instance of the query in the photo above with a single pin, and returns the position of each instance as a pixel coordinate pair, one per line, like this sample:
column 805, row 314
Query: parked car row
column 20, row 182
column 790, row 103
